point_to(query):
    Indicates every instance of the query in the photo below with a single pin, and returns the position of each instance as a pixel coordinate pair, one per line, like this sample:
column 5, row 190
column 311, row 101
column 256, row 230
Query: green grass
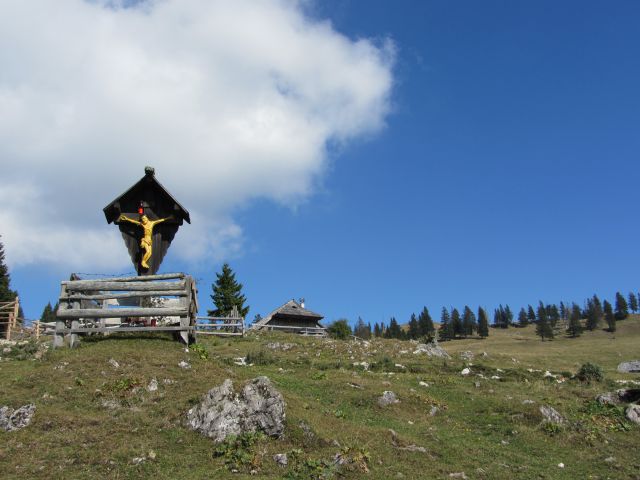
column 93, row 419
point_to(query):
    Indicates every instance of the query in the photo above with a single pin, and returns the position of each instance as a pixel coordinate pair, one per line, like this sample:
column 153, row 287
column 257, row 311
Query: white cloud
column 229, row 101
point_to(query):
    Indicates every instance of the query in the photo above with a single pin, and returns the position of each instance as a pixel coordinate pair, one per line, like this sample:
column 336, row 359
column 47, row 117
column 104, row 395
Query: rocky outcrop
column 623, row 395
column 633, row 414
column 551, row 415
column 222, row 412
column 11, row 419
column 387, row 398
column 629, row 367
column 431, row 350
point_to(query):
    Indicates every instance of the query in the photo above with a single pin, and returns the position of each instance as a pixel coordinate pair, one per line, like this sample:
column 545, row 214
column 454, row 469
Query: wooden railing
column 85, row 306
column 9, row 316
column 315, row 331
column 233, row 325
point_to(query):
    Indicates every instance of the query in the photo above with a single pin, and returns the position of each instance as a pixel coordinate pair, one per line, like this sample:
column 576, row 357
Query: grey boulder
column 223, row 412
column 11, row 419
column 629, row 367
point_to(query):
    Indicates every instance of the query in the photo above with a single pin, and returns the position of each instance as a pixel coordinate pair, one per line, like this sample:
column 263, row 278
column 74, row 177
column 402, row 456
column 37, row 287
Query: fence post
column 9, row 324
column 37, row 330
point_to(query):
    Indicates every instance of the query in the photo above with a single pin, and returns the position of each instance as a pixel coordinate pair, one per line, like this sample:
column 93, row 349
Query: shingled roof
column 291, row 309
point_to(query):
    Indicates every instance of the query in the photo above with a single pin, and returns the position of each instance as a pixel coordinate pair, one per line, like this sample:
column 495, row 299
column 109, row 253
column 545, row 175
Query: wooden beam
column 97, row 285
column 108, row 296
column 121, row 312
column 144, row 278
column 122, row 329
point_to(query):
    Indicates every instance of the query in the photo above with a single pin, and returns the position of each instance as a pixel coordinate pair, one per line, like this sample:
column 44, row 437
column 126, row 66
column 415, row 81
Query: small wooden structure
column 147, row 197
column 161, row 303
column 9, row 320
column 292, row 317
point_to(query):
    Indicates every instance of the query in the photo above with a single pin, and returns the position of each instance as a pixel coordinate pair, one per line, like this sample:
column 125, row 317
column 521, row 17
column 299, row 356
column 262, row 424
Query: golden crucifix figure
column 146, row 242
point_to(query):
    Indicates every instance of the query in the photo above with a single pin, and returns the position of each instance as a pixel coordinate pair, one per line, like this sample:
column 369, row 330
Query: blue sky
column 506, row 172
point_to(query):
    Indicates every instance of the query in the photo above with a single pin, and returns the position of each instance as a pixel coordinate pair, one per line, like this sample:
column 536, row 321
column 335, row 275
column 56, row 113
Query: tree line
column 550, row 320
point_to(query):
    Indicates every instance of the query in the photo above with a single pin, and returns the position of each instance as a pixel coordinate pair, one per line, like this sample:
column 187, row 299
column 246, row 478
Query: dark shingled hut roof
column 291, row 309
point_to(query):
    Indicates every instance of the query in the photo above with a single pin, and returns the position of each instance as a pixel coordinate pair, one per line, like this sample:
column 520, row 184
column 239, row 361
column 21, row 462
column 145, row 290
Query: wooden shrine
column 148, row 218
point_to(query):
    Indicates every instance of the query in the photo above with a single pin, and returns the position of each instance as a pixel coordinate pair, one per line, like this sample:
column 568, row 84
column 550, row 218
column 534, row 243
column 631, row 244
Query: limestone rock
column 633, row 413
column 622, row 395
column 11, row 419
column 281, row 459
column 629, row 367
column 431, row 350
column 468, row 356
column 387, row 398
column 222, row 412
column 551, row 415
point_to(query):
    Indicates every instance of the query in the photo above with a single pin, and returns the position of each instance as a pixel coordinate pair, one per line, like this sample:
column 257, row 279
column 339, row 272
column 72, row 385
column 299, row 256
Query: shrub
column 339, row 329
column 589, row 372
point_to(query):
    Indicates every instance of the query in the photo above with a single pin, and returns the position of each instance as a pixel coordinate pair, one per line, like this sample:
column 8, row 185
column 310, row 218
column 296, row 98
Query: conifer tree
column 531, row 314
column 456, row 322
column 508, row 316
column 622, row 309
column 425, row 323
column 446, row 327
column 48, row 314
column 633, row 302
column 563, row 311
column 609, row 316
column 394, row 330
column 377, row 332
column 543, row 327
column 362, row 330
column 554, row 315
column 469, row 324
column 523, row 320
column 594, row 313
column 483, row 323
column 227, row 294
column 6, row 294
column 414, row 330
column 575, row 327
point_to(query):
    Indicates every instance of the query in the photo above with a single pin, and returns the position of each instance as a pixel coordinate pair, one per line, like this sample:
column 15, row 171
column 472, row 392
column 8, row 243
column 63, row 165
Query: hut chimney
column 302, row 302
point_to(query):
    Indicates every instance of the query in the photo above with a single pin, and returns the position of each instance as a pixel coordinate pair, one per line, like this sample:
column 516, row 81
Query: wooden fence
column 152, row 303
column 9, row 317
column 233, row 325
column 310, row 331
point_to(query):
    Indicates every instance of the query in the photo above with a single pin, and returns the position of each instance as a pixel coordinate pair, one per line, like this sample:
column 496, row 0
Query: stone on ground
column 223, row 412
column 629, row 367
column 431, row 350
column 387, row 398
column 551, row 415
column 633, row 413
column 11, row 419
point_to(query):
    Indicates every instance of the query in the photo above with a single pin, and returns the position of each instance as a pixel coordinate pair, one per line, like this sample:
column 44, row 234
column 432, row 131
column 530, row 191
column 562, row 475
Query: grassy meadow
column 93, row 419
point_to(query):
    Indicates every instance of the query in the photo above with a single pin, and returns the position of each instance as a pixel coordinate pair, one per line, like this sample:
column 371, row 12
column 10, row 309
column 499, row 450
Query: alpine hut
column 292, row 317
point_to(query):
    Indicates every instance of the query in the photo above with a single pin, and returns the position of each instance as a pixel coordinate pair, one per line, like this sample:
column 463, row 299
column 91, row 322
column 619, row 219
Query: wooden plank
column 109, row 296
column 218, row 318
column 121, row 312
column 144, row 278
column 229, row 334
column 122, row 329
column 96, row 285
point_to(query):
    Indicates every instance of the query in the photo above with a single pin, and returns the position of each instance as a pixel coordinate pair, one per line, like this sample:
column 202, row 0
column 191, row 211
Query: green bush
column 589, row 372
column 340, row 329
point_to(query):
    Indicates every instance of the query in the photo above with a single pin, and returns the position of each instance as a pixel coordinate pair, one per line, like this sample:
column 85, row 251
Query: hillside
column 93, row 419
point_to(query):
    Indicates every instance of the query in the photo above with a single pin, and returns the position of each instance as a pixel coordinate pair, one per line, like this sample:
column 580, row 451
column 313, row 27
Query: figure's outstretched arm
column 160, row 220
column 124, row 218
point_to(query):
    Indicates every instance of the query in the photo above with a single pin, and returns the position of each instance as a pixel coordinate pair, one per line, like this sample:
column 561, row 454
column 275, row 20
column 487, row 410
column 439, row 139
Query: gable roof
column 289, row 309
column 148, row 182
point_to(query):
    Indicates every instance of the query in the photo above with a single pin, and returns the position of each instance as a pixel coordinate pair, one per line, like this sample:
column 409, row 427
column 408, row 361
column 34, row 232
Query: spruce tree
column 6, row 294
column 508, row 316
column 425, row 323
column 543, row 327
column 469, row 324
column 563, row 311
column 594, row 313
column 609, row 316
column 531, row 314
column 394, row 330
column 633, row 302
column 48, row 313
column 554, row 315
column 362, row 330
column 377, row 331
column 523, row 320
column 575, row 327
column 414, row 329
column 456, row 322
column 483, row 323
column 227, row 294
column 622, row 309
column 446, row 327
